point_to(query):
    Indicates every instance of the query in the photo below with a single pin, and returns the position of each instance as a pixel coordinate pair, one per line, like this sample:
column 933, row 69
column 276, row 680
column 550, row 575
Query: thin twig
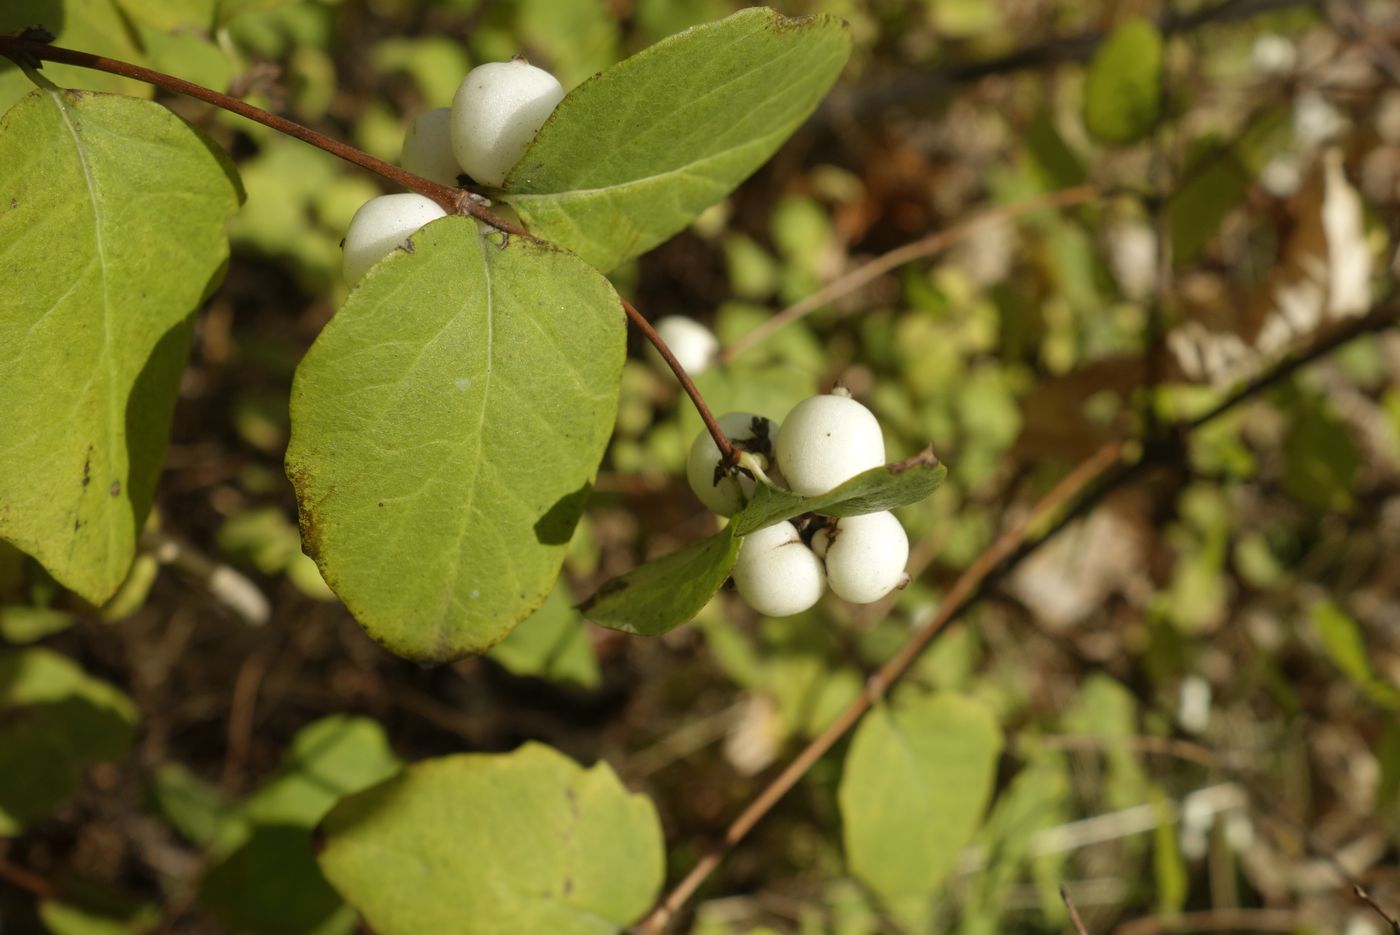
column 924, row 247
column 1073, row 912
column 1365, row 897
column 456, row 200
column 644, row 326
column 1104, row 470
column 27, row 880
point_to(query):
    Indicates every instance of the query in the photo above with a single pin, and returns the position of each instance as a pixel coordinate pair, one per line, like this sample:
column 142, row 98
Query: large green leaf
column 112, row 217
column 496, row 845
column 664, row 593
column 635, row 153
column 913, row 790
column 875, row 490
column 55, row 721
column 1123, row 89
column 446, row 428
column 265, row 878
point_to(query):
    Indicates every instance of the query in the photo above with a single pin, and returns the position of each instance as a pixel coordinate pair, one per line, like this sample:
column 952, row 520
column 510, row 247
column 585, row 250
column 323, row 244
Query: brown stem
column 1365, row 897
column 925, row 247
column 455, row 200
column 1085, row 485
column 1073, row 912
column 644, row 326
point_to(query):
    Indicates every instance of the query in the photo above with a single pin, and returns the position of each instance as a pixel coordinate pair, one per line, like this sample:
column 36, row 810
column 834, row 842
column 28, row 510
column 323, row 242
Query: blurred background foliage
column 1183, row 708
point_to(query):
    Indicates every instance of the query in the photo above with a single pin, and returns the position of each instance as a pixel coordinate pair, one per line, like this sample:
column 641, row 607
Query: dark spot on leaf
column 116, row 488
column 342, row 243
column 14, row 203
column 568, row 886
column 407, row 247
column 77, row 524
column 381, row 502
column 87, row 468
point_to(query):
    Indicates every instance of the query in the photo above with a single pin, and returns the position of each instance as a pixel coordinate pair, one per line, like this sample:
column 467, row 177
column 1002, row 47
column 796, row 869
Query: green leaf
column 266, row 879
column 1122, row 91
column 112, row 216
column 446, row 428
column 634, row 154
column 55, row 721
column 100, row 913
column 551, row 644
column 1214, row 182
column 94, row 26
column 916, row 781
column 875, row 490
column 664, row 593
column 271, row 885
column 194, row 807
column 31, row 624
column 1343, row 644
column 327, row 759
column 496, row 844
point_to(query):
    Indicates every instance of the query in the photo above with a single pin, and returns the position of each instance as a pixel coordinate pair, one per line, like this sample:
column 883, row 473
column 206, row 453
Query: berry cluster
column 824, row 441
column 496, row 112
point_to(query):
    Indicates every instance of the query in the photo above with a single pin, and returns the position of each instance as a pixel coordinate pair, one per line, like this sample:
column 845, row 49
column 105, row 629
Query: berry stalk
column 644, row 326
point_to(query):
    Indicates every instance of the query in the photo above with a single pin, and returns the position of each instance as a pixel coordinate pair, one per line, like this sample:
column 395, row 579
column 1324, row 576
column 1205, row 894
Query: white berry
column 742, row 428
column 498, row 109
column 427, row 147
column 827, row 440
column 776, row 573
column 865, row 556
column 694, row 345
column 382, row 224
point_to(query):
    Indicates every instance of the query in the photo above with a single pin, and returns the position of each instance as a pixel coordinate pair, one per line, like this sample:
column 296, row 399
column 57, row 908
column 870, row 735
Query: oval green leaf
column 634, row 154
column 662, row 594
column 882, row 488
column 1123, row 90
column 55, row 722
column 496, row 844
column 112, row 231
column 446, row 428
column 913, row 790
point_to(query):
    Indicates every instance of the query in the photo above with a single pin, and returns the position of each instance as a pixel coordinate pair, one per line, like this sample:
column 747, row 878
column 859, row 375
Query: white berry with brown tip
column 496, row 112
column 427, row 147
column 827, row 440
column 727, row 494
column 865, row 556
column 776, row 573
column 382, row 224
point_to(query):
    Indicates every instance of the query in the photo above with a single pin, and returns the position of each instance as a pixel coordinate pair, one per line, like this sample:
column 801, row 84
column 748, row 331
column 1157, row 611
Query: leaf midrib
column 112, row 434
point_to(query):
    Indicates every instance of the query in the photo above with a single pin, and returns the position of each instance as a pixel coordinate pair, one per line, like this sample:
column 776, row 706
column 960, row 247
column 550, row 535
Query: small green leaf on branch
column 882, row 488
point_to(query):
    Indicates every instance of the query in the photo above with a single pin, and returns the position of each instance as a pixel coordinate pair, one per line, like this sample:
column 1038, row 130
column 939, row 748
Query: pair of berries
column 496, row 112
column 824, row 441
